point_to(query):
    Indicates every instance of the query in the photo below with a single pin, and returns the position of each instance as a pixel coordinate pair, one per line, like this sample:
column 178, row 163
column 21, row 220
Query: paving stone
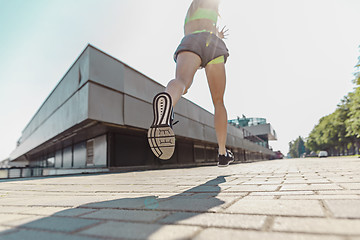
column 124, row 203
column 21, row 221
column 340, row 192
column 15, row 209
column 317, row 225
column 182, row 195
column 344, row 208
column 62, row 224
column 252, row 188
column 284, row 193
column 351, row 186
column 201, row 205
column 44, row 211
column 59, row 201
column 3, row 229
column 127, row 215
column 265, row 182
column 191, row 202
column 216, row 220
column 345, row 179
column 73, row 212
column 300, row 181
column 38, row 235
column 318, row 180
column 5, row 218
column 206, row 189
column 212, row 233
column 278, row 207
column 238, row 181
column 218, row 195
column 14, row 201
column 147, row 231
column 261, row 197
column 321, row 197
column 304, row 187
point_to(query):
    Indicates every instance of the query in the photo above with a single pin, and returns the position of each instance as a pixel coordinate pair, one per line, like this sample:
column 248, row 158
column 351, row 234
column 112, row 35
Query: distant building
column 97, row 118
column 256, row 130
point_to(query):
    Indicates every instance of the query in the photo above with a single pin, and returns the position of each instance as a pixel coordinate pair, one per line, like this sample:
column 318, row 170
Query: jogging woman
column 201, row 47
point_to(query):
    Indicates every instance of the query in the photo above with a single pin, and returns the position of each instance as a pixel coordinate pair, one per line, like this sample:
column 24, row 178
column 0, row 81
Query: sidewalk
column 282, row 199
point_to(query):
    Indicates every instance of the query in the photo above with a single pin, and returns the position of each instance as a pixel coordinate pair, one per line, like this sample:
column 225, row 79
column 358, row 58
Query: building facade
column 256, row 129
column 97, row 118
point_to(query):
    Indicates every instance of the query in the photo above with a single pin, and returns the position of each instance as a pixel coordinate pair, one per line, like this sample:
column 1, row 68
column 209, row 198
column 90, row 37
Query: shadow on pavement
column 52, row 176
column 126, row 218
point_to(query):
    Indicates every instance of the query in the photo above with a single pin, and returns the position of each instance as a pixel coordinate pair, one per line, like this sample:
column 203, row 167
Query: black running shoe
column 225, row 160
column 161, row 136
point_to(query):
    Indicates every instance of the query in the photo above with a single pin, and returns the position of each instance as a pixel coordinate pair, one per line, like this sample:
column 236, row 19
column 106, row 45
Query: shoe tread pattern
column 161, row 137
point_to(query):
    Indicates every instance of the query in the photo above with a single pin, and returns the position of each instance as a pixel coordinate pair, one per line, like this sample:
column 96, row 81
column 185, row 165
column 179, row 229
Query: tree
column 320, row 137
column 297, row 148
column 353, row 121
column 330, row 133
column 339, row 131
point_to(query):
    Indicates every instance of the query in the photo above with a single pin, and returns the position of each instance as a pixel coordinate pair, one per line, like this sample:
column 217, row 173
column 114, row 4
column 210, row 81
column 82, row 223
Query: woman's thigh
column 187, row 63
column 216, row 77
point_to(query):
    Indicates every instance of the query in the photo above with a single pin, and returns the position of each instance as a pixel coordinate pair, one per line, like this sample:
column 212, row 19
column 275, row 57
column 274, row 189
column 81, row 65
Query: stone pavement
column 279, row 199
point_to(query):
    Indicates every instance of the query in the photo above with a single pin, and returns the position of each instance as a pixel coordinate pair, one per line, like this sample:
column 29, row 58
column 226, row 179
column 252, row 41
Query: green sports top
column 203, row 13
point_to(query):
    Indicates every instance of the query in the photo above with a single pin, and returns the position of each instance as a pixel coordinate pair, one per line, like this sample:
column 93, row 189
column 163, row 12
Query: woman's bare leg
column 187, row 64
column 216, row 77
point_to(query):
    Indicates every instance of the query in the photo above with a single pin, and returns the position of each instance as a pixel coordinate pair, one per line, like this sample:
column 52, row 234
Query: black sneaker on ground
column 161, row 136
column 225, row 160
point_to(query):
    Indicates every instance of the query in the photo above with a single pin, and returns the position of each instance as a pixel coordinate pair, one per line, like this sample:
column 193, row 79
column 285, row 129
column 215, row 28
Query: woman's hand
column 223, row 33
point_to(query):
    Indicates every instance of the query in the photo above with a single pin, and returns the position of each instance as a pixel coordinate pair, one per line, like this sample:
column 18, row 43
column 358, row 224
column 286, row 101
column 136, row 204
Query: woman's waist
column 202, row 36
column 198, row 28
column 199, row 31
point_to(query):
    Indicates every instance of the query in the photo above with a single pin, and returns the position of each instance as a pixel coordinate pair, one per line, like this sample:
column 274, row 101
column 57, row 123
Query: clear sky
column 291, row 61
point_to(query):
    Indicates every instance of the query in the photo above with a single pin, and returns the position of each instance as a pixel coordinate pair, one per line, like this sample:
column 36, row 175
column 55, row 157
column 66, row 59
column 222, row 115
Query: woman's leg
column 216, row 77
column 187, row 64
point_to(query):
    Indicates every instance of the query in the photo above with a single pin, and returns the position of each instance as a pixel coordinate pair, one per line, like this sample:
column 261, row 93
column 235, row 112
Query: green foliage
column 322, row 136
column 340, row 129
column 297, row 147
column 332, row 130
column 353, row 121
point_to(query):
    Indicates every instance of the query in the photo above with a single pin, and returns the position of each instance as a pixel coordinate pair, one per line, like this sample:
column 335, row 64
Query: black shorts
column 205, row 44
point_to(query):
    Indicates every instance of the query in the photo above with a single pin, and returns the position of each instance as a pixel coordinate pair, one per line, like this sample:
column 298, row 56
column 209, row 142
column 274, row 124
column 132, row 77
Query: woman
column 201, row 47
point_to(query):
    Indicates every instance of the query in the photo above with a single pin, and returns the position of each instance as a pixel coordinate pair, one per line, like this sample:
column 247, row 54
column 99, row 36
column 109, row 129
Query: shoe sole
column 225, row 165
column 161, row 137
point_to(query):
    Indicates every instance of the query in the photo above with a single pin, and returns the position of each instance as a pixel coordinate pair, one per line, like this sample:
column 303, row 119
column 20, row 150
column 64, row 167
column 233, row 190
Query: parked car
column 311, row 154
column 278, row 155
column 323, row 154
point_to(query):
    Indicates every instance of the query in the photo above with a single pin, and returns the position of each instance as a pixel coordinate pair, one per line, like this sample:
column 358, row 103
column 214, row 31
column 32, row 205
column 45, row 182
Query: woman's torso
column 202, row 20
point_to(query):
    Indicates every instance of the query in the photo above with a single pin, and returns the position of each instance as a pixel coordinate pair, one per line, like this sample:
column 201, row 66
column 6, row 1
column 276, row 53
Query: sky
column 291, row 61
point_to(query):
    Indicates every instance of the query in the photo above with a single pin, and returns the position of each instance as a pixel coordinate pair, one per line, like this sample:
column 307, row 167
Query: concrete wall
column 71, row 112
column 263, row 129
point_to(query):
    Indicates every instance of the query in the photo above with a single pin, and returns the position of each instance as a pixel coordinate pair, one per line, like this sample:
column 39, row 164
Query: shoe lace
column 172, row 118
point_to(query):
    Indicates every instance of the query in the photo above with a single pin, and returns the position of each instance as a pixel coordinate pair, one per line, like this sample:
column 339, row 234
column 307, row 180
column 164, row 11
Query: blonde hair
column 211, row 4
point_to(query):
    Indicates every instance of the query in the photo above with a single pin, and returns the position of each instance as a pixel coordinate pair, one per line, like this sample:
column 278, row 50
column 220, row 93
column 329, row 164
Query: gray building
column 97, row 118
column 256, row 129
